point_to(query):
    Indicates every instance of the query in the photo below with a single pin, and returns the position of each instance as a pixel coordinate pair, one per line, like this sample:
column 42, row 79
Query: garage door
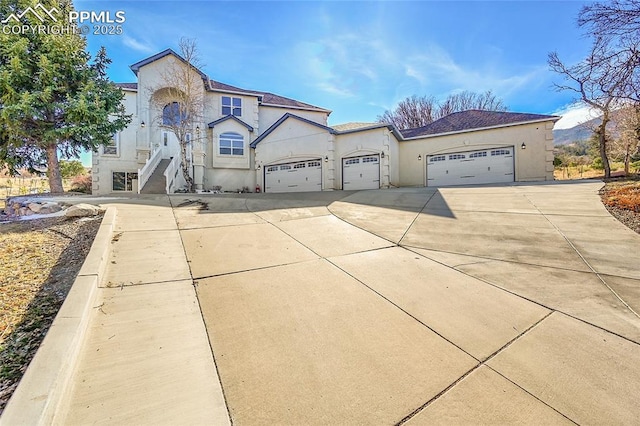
column 493, row 165
column 301, row 176
column 361, row 172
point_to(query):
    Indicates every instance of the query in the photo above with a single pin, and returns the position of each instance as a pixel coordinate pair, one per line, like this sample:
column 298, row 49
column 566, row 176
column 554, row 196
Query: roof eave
column 389, row 127
column 234, row 92
column 311, row 108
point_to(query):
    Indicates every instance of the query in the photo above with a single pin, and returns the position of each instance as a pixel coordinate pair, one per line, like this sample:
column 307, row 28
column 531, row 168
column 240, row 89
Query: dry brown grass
column 623, row 195
column 39, row 261
column 28, row 256
column 585, row 171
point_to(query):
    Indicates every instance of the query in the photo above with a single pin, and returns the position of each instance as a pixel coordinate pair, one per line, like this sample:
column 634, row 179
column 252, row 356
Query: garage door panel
column 493, row 165
column 361, row 172
column 301, row 176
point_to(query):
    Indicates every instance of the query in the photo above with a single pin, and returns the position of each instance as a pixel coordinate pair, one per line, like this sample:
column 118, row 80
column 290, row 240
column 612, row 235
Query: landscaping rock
column 51, row 207
column 82, row 210
column 35, row 207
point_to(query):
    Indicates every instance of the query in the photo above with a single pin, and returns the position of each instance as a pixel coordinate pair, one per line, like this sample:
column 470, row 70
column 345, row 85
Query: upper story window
column 231, row 144
column 231, row 106
column 112, row 147
column 173, row 114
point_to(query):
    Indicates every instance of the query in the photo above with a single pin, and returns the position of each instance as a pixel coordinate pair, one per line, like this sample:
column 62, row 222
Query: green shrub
column 597, row 164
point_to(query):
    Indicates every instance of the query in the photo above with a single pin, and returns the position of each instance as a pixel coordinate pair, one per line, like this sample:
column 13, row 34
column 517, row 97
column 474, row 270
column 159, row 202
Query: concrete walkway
column 509, row 304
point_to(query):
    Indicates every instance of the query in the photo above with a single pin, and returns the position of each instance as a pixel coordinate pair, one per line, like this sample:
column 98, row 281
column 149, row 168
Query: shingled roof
column 130, row 86
column 474, row 119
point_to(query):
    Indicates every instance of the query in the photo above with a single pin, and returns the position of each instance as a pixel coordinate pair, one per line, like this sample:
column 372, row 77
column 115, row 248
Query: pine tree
column 54, row 99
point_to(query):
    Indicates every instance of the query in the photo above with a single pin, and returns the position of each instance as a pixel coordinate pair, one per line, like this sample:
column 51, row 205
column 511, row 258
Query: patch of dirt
column 622, row 199
column 39, row 261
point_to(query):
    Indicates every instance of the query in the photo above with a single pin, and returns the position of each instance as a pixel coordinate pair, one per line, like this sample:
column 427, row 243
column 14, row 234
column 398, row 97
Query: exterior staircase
column 157, row 182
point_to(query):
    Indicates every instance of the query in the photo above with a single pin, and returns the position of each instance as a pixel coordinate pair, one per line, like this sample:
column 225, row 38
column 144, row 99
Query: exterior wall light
column 197, row 130
column 142, row 125
column 382, row 154
column 326, row 158
column 523, row 146
column 419, row 157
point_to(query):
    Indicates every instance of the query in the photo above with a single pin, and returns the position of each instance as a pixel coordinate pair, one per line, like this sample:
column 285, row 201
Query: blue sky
column 360, row 58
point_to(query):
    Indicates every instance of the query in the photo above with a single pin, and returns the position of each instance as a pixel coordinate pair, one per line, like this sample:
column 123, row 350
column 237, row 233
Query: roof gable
column 230, row 117
column 284, row 118
column 167, row 52
column 473, row 120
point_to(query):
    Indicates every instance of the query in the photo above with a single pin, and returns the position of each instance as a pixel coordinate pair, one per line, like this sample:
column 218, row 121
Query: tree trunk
column 53, row 166
column 627, row 158
column 602, row 139
column 184, row 164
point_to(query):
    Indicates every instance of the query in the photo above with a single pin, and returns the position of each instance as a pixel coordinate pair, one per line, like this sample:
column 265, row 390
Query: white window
column 299, row 166
column 456, row 157
column 272, row 168
column 314, row 164
column 231, row 106
column 231, row 144
column 123, row 181
column 498, row 152
column 112, row 148
column 370, row 159
column 478, row 154
column 352, row 161
column 438, row 158
column 173, row 114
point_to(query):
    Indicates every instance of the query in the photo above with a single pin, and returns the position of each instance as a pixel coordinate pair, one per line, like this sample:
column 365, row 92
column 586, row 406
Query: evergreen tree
column 54, row 100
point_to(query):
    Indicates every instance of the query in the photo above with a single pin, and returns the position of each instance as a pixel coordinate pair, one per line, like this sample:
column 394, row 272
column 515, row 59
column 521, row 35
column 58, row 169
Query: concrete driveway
column 488, row 304
column 509, row 304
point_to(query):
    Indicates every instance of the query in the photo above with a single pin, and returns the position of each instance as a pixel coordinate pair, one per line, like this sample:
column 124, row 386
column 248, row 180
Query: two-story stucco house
column 263, row 141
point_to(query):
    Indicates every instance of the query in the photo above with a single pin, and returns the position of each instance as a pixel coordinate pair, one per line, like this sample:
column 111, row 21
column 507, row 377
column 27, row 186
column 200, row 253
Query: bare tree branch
column 179, row 100
column 418, row 111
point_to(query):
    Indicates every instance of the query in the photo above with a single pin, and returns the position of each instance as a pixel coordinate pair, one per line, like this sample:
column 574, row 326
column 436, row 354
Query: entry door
column 170, row 145
column 361, row 172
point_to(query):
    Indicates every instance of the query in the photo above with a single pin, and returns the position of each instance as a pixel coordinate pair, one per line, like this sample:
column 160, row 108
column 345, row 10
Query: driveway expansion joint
column 476, row 367
column 586, row 262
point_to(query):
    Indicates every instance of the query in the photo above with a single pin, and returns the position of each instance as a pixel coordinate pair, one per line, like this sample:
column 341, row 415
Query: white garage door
column 361, row 172
column 493, row 165
column 301, row 176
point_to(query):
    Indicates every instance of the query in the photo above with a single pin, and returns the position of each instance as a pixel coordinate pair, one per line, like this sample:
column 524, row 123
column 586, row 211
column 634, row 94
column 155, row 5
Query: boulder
column 35, row 207
column 50, row 208
column 82, row 210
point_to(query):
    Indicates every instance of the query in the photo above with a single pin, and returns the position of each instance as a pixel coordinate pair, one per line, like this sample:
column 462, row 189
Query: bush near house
column 81, row 183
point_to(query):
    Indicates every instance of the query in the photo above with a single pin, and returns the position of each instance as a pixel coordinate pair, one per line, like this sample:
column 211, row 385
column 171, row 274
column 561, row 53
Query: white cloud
column 574, row 114
column 440, row 74
column 137, row 45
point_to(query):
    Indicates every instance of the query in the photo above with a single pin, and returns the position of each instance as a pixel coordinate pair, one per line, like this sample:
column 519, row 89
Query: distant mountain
column 581, row 132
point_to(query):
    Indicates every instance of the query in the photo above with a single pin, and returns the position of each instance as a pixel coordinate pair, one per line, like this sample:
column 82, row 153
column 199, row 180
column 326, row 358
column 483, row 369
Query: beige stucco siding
column 535, row 163
column 124, row 161
column 213, row 107
column 229, row 179
column 374, row 141
column 295, row 140
column 269, row 115
column 214, row 159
